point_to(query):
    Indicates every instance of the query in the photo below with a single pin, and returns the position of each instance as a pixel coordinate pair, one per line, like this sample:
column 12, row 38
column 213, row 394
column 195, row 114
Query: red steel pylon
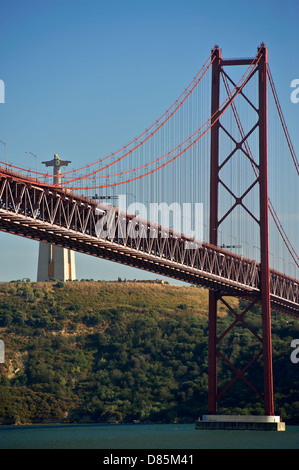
column 259, row 66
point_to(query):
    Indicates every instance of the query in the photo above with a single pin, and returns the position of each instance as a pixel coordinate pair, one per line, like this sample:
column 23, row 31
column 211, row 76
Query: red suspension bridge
column 234, row 155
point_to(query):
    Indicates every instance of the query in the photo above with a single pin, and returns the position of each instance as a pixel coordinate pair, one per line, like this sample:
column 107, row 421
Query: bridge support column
column 264, row 235
column 212, row 383
column 214, row 180
column 261, row 170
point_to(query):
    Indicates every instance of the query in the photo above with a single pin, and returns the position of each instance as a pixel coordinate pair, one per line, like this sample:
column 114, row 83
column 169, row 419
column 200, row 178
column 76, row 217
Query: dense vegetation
column 128, row 351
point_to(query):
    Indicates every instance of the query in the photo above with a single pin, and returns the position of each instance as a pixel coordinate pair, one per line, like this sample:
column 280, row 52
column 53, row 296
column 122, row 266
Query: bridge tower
column 55, row 262
column 259, row 65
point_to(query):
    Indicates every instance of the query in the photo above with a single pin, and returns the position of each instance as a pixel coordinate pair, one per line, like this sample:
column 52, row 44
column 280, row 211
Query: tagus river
column 142, row 436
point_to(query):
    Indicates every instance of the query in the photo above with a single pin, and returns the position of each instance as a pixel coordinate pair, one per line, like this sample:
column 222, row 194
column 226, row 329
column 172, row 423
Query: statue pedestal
column 55, row 262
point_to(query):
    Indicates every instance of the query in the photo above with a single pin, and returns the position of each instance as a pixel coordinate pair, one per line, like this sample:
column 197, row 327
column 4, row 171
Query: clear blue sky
column 84, row 77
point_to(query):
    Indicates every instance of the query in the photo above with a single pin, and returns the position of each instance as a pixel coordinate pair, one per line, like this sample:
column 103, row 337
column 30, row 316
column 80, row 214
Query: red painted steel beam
column 264, row 235
column 225, row 62
column 214, row 181
column 262, row 179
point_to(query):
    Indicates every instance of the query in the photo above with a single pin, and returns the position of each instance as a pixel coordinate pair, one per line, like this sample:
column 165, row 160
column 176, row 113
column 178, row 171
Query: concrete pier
column 240, row 423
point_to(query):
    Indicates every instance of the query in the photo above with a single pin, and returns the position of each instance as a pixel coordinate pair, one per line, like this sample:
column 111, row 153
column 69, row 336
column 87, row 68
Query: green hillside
column 127, row 352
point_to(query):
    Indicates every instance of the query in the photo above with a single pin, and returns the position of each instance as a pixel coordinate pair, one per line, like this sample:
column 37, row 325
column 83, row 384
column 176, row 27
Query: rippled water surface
column 142, row 436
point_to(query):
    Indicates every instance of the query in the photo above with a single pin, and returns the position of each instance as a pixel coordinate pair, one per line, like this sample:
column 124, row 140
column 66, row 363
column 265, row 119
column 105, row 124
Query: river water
column 142, row 436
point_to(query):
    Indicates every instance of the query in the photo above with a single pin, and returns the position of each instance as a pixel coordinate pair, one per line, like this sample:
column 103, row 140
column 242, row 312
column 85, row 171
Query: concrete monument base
column 55, row 262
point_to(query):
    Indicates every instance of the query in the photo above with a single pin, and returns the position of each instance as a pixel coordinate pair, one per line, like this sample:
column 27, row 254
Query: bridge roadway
column 44, row 213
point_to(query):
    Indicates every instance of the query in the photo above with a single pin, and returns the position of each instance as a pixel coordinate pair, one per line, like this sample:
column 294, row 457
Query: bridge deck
column 57, row 216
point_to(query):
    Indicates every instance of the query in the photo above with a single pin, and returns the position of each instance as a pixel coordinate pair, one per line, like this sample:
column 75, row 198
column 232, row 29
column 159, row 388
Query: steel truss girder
column 69, row 220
